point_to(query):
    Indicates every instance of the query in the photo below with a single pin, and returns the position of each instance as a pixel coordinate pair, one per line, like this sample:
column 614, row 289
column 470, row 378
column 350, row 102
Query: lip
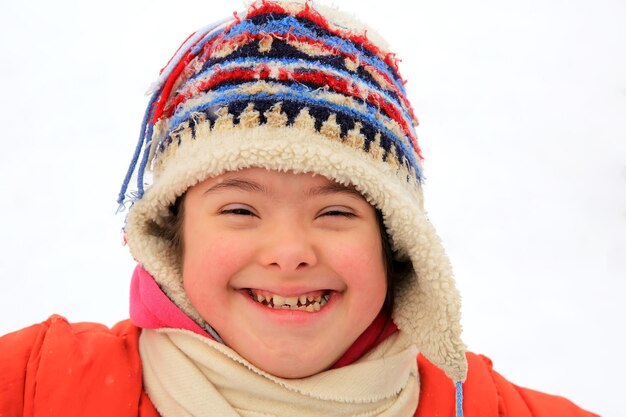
column 287, row 290
column 287, row 316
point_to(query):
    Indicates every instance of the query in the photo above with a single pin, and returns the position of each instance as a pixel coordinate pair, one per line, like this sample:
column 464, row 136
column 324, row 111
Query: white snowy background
column 523, row 124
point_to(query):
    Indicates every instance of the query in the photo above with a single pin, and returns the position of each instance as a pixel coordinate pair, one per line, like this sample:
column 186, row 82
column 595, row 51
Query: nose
column 288, row 248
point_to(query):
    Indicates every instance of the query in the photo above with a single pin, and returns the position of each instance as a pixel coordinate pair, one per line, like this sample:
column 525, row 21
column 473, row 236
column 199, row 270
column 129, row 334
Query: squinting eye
column 238, row 211
column 335, row 213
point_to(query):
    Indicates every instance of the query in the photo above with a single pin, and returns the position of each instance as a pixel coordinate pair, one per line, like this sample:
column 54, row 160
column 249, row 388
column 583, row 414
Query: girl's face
column 287, row 268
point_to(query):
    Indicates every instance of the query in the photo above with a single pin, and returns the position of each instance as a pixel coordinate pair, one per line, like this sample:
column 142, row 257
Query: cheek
column 209, row 263
column 361, row 263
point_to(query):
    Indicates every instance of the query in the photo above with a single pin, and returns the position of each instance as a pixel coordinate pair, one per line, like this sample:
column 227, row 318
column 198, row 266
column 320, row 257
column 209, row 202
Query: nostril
column 284, row 265
column 287, row 255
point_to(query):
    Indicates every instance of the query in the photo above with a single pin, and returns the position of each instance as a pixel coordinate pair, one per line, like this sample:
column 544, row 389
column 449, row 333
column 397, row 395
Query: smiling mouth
column 310, row 302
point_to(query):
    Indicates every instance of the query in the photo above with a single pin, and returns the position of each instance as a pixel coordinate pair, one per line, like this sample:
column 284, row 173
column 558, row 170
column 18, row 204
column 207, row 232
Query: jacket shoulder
column 48, row 366
column 486, row 393
column 537, row 404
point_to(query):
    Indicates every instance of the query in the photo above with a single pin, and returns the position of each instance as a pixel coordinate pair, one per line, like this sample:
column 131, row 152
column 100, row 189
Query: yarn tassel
column 133, row 163
column 459, row 399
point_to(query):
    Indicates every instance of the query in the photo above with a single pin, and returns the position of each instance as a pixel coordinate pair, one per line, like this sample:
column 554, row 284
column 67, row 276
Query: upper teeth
column 303, row 302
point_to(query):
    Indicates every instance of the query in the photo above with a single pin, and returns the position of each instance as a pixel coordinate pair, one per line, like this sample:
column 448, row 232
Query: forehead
column 275, row 183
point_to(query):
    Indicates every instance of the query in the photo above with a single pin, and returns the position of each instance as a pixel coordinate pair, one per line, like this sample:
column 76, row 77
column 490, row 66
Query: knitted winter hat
column 299, row 87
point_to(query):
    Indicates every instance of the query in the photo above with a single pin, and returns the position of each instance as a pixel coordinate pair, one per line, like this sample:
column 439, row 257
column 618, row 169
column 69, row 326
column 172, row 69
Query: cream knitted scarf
column 189, row 375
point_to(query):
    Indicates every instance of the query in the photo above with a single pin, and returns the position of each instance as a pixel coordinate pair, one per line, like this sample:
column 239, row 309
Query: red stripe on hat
column 218, row 78
column 167, row 88
column 177, row 50
column 266, row 7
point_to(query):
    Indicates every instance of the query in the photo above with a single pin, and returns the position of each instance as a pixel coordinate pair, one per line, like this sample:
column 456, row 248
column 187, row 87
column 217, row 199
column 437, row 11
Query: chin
column 295, row 372
column 288, row 356
column 292, row 366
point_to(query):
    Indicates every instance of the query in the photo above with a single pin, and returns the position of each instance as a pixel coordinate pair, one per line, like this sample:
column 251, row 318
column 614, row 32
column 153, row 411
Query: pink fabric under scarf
column 150, row 308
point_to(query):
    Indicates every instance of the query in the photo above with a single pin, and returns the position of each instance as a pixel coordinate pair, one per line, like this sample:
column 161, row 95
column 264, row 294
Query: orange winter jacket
column 86, row 370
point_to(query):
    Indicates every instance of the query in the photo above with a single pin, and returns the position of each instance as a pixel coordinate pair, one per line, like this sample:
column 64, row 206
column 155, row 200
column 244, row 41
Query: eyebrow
column 251, row 186
column 335, row 188
column 244, row 185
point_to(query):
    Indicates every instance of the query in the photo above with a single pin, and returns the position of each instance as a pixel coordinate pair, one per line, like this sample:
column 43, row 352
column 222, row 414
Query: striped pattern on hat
column 279, row 63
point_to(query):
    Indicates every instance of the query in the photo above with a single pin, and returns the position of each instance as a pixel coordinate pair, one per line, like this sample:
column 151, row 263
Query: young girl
column 285, row 262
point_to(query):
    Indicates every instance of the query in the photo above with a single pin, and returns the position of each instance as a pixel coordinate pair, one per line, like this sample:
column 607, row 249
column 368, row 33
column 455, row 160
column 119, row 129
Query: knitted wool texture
column 296, row 87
